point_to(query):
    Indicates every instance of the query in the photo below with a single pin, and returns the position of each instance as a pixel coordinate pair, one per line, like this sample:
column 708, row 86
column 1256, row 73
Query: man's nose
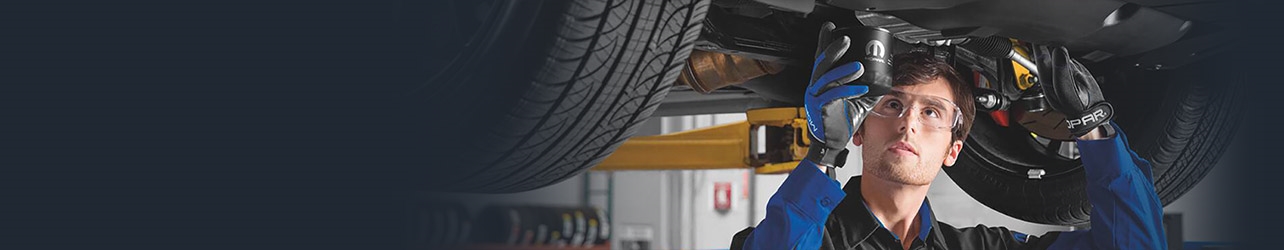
column 906, row 123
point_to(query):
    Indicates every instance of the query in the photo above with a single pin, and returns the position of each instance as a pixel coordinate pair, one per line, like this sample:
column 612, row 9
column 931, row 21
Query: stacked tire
column 570, row 227
column 440, row 225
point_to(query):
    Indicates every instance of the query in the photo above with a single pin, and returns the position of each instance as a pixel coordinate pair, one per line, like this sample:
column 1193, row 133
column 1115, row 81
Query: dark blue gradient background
column 182, row 124
column 285, row 124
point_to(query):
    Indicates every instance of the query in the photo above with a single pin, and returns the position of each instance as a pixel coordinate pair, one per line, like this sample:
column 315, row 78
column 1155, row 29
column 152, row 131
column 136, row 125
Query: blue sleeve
column 797, row 212
column 1126, row 212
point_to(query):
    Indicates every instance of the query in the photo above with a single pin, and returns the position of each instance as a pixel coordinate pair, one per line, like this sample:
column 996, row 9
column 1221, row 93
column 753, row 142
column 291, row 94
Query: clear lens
column 933, row 112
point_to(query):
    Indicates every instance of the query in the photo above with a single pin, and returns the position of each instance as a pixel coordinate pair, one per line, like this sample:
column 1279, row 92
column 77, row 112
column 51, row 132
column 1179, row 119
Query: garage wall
column 642, row 208
column 702, row 226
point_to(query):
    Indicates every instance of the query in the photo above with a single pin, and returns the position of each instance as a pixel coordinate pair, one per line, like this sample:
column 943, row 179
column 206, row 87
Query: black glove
column 833, row 104
column 1070, row 89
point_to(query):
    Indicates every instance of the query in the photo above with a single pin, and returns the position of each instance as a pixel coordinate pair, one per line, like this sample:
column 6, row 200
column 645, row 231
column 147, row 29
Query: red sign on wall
column 722, row 196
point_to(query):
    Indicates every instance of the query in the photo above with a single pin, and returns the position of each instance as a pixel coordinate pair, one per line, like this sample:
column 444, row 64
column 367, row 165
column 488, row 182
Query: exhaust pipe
column 708, row 71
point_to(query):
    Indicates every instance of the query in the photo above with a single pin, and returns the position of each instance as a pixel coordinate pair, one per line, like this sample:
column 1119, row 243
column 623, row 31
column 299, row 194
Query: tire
column 1180, row 120
column 558, row 86
column 440, row 225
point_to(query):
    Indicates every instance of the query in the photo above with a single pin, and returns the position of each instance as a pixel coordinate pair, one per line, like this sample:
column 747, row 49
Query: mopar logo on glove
column 1095, row 116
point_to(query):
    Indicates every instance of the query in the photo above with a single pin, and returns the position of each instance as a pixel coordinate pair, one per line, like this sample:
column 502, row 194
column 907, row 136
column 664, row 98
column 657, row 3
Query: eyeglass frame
column 958, row 112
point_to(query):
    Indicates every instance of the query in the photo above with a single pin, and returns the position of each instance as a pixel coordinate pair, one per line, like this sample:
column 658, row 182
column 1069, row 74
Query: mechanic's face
column 904, row 150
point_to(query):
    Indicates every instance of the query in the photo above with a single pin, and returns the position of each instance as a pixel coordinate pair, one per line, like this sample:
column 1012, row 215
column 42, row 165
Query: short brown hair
column 921, row 67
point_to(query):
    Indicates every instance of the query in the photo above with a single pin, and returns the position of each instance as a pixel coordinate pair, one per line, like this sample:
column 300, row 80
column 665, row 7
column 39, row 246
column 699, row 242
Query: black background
column 1259, row 57
column 181, row 124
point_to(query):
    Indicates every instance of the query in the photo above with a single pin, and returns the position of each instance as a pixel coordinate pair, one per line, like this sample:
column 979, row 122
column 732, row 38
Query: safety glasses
column 933, row 112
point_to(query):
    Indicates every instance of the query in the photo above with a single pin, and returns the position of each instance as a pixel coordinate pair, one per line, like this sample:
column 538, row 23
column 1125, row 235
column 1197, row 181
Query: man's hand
column 1071, row 90
column 832, row 105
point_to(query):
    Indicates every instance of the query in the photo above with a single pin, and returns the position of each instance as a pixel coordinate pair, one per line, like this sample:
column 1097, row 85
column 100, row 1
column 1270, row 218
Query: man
column 907, row 135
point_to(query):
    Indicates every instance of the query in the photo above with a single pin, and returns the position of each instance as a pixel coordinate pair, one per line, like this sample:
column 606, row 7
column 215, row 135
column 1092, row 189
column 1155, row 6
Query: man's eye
column 894, row 104
column 932, row 113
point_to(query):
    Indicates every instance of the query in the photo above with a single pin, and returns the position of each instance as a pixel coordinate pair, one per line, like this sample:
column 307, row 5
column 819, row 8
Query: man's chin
column 901, row 161
column 911, row 182
column 899, row 178
column 900, row 172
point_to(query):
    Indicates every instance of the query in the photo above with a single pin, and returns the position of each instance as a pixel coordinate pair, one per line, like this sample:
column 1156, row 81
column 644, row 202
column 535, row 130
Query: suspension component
column 1032, row 101
column 988, row 100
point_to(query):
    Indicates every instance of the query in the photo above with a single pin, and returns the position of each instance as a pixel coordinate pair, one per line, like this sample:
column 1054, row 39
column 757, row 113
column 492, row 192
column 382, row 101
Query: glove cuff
column 1099, row 114
column 827, row 156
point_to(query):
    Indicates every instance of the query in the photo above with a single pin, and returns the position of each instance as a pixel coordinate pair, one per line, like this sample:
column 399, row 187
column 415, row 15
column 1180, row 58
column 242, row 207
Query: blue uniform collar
column 925, row 213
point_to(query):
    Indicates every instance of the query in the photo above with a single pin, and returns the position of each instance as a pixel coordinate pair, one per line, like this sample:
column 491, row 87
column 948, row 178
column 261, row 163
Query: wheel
column 534, row 92
column 1180, row 120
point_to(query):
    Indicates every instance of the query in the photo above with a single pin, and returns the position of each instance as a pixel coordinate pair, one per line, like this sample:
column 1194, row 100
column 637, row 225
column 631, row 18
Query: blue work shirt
column 1126, row 212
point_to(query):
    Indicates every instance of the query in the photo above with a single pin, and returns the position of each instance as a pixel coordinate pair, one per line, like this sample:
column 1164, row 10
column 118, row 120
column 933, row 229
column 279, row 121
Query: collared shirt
column 924, row 222
column 811, row 211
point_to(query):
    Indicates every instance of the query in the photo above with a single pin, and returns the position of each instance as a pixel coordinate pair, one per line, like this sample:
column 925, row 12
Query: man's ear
column 856, row 140
column 953, row 155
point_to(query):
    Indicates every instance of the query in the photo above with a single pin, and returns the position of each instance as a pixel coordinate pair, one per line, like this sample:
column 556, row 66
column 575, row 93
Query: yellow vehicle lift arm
column 725, row 146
